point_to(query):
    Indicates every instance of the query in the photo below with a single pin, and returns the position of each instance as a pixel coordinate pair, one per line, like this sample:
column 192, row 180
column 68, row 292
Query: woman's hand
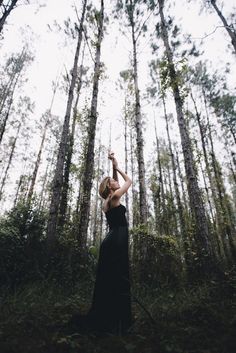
column 113, row 159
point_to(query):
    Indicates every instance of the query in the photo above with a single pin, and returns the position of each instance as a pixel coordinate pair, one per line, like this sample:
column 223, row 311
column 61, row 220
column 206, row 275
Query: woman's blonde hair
column 104, row 187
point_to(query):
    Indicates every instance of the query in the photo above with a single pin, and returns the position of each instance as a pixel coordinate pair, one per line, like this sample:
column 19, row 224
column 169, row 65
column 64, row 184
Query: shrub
column 156, row 259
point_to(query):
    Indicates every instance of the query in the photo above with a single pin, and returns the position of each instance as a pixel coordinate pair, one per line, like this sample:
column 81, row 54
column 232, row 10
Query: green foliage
column 156, row 259
column 167, row 79
column 191, row 319
column 21, row 237
column 23, row 252
column 224, row 106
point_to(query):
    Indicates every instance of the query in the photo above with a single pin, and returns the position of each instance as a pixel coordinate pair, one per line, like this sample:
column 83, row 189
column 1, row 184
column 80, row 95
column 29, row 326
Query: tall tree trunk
column 126, row 158
column 202, row 237
column 181, row 178
column 42, row 193
column 65, row 187
column 59, row 172
column 18, row 190
column 10, row 160
column 38, row 160
column 210, row 178
column 96, row 210
column 171, row 209
column 19, row 63
column 136, row 215
column 228, row 28
column 183, row 229
column 224, row 213
column 87, row 178
column 161, row 194
column 6, row 13
column 138, row 125
column 4, row 122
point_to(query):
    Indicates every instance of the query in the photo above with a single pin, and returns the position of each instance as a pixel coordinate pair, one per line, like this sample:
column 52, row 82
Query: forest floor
column 196, row 319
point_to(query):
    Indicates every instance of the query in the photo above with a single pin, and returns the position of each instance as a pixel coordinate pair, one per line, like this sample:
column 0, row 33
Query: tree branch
column 209, row 34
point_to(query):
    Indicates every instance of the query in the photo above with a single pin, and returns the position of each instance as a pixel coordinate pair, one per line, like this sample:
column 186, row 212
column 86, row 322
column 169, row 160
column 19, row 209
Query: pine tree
column 132, row 10
column 202, row 237
column 64, row 144
column 88, row 171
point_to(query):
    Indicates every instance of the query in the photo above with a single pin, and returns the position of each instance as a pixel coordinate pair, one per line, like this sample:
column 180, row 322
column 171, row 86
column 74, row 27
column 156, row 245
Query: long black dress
column 111, row 305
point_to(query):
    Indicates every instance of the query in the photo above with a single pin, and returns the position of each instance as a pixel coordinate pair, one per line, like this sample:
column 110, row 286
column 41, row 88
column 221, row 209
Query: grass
column 188, row 320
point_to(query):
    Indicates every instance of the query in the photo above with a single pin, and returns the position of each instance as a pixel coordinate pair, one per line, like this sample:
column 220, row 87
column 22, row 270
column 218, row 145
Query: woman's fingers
column 111, row 155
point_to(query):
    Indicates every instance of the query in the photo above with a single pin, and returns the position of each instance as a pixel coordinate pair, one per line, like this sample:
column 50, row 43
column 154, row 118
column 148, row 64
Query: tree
column 70, row 150
column 12, row 78
column 202, row 237
column 88, row 171
column 229, row 27
column 132, row 10
column 6, row 8
column 64, row 143
column 210, row 88
column 25, row 107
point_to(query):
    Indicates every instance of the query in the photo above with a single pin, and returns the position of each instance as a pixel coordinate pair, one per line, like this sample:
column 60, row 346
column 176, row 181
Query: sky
column 54, row 53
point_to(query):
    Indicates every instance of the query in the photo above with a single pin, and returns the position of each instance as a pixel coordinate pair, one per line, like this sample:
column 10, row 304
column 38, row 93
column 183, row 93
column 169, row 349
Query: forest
column 153, row 81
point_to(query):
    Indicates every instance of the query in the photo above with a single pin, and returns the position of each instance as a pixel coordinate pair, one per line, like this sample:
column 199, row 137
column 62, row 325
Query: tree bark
column 161, row 194
column 96, row 210
column 182, row 222
column 59, row 172
column 222, row 205
column 38, row 160
column 202, row 236
column 135, row 214
column 65, row 187
column 138, row 124
column 87, row 178
column 126, row 158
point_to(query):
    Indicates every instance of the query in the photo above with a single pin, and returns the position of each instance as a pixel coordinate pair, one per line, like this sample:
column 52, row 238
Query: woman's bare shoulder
column 110, row 202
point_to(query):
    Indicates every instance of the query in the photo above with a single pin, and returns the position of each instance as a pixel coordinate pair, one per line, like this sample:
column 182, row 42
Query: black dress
column 111, row 305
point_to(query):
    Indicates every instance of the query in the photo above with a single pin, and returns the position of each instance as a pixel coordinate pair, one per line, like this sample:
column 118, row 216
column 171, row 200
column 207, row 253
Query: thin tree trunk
column 222, row 203
column 155, row 196
column 173, row 214
column 14, row 76
column 126, row 159
column 87, row 178
column 42, row 193
column 228, row 28
column 10, row 160
column 65, row 187
column 4, row 122
column 183, row 229
column 219, row 245
column 59, row 172
column 233, row 134
column 18, row 190
column 181, row 178
column 160, row 195
column 95, row 225
column 202, row 236
column 138, row 125
column 135, row 219
column 38, row 160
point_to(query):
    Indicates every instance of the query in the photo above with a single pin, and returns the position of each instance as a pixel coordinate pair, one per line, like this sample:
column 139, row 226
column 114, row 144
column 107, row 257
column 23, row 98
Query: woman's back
column 116, row 216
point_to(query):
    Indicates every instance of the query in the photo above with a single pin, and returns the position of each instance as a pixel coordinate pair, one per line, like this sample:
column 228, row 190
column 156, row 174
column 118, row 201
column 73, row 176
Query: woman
column 111, row 307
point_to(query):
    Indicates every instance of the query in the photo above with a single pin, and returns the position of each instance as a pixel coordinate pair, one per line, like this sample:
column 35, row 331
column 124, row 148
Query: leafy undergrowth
column 191, row 320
